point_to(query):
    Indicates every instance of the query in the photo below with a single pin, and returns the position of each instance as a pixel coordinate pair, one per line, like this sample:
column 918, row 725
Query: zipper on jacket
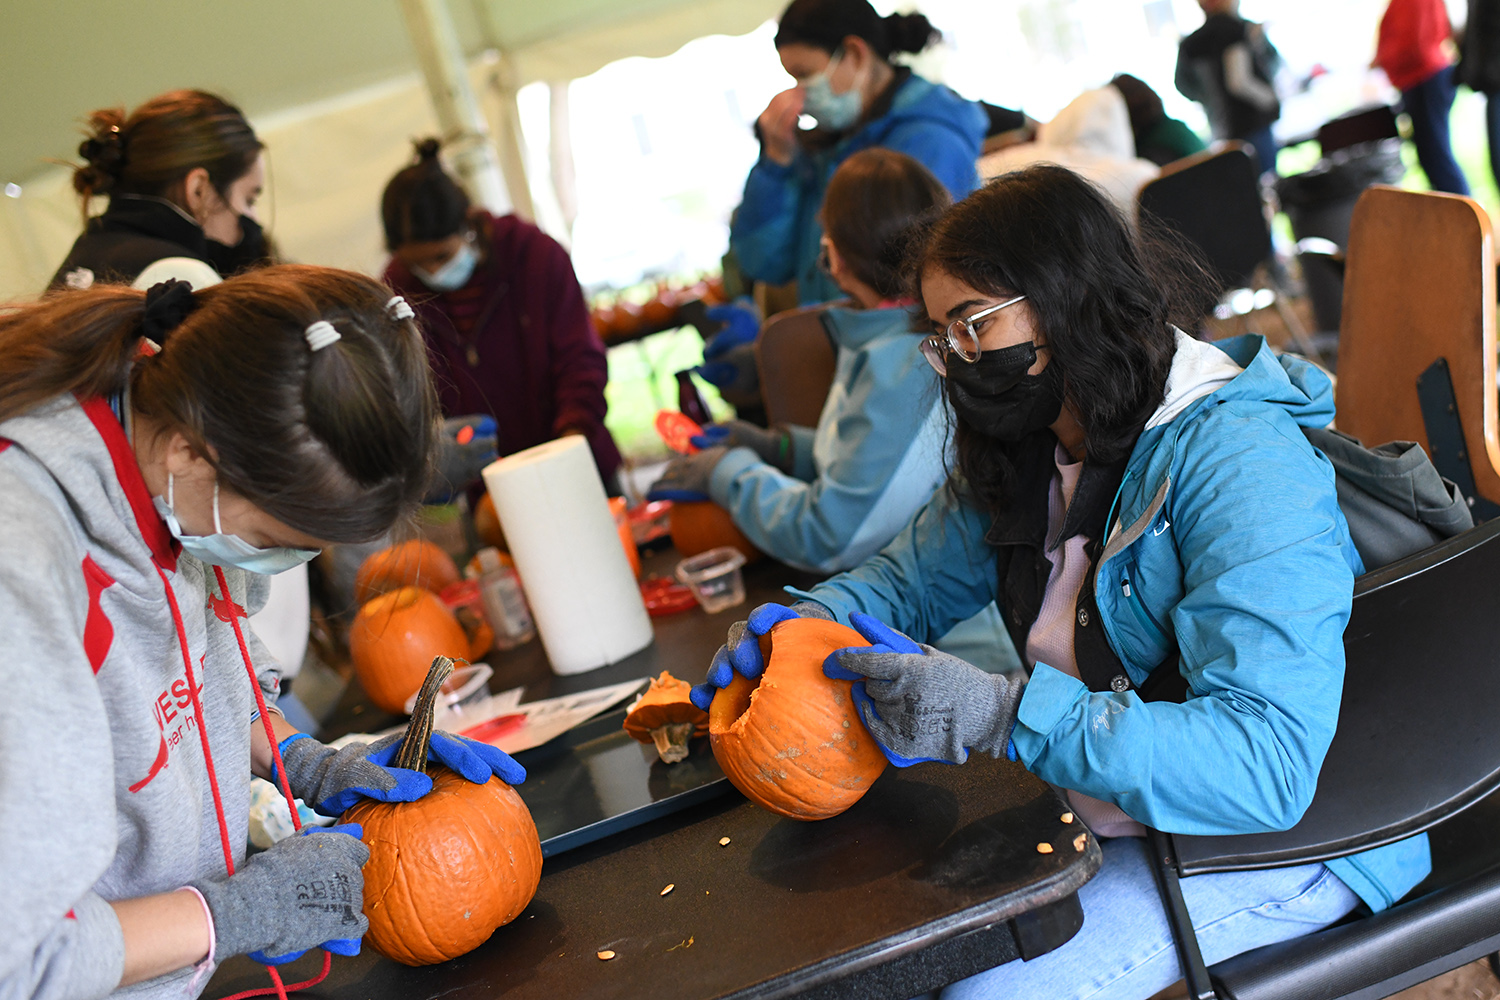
column 1142, row 613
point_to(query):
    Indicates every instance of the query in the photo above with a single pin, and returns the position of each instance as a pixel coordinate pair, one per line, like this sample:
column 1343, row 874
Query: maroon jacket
column 516, row 342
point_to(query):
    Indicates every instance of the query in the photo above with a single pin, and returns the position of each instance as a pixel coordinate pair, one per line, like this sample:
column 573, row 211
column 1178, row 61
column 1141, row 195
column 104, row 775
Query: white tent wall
column 331, row 88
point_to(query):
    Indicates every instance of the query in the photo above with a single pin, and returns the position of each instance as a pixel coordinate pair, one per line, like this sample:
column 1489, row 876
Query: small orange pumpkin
column 665, row 715
column 416, row 563
column 702, row 525
column 395, row 636
column 792, row 740
column 487, row 524
column 449, row 869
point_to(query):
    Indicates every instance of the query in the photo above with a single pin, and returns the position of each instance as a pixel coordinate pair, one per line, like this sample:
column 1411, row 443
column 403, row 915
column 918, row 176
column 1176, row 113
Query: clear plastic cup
column 714, row 578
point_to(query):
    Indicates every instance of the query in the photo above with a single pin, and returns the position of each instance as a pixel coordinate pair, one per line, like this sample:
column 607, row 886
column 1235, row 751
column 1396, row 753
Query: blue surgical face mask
column 220, row 549
column 454, row 274
column 834, row 112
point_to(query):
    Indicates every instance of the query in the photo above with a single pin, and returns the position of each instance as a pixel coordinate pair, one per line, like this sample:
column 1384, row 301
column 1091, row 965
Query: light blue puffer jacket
column 873, row 461
column 1226, row 534
column 775, row 233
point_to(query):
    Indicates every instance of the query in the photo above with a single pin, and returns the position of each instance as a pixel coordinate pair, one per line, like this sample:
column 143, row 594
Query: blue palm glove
column 687, row 476
column 772, row 445
column 466, row 446
column 470, row 759
column 741, row 326
column 331, row 781
column 741, row 650
column 922, row 704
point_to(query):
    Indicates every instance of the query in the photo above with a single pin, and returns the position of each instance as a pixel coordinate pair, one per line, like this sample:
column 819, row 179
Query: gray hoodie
column 104, row 793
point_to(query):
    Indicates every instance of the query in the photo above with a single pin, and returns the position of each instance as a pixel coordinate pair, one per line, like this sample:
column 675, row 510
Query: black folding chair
column 1415, row 749
column 1213, row 200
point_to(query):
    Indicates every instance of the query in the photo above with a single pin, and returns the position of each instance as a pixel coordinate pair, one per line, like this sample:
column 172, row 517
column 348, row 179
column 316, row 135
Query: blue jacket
column 1227, row 537
column 775, row 233
column 875, row 458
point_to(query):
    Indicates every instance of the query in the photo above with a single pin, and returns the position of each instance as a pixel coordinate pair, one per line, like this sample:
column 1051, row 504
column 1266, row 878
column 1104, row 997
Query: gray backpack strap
column 1395, row 501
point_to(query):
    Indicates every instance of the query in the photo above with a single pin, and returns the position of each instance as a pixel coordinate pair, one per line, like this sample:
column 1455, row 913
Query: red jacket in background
column 516, row 342
column 1413, row 37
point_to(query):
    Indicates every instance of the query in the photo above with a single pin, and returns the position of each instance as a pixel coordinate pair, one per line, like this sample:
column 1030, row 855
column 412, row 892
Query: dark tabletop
column 935, row 874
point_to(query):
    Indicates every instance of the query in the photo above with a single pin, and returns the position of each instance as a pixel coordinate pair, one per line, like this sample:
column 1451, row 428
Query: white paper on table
column 552, row 717
column 545, row 719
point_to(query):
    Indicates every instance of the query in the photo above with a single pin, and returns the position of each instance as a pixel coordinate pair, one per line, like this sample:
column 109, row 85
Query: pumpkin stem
column 672, row 741
column 413, row 752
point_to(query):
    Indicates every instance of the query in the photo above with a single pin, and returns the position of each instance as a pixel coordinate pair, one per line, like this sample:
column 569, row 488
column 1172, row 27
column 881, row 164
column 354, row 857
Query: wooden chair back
column 1419, row 285
column 796, row 358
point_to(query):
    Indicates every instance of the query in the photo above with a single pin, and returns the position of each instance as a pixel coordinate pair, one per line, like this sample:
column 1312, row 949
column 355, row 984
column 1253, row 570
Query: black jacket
column 133, row 232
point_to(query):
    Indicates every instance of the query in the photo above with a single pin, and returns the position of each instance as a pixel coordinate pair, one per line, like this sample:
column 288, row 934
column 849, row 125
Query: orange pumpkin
column 393, row 639
column 702, row 525
column 664, row 715
column 487, row 524
column 792, row 740
column 450, row 868
column 661, row 310
column 417, row 563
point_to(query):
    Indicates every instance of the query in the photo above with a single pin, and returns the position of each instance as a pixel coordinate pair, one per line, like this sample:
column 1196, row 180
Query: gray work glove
column 773, row 445
column 922, row 704
column 687, row 477
column 332, row 780
column 305, row 892
column 741, row 650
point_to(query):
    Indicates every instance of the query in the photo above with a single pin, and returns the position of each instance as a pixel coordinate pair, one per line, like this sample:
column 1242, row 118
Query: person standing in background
column 1479, row 68
column 1416, row 51
column 182, row 175
column 839, row 53
column 507, row 329
column 1228, row 66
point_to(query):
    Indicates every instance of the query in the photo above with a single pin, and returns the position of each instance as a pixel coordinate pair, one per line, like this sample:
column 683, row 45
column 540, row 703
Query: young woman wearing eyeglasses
column 1166, row 548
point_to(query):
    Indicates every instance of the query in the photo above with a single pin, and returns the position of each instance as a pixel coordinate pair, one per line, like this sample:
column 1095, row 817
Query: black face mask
column 996, row 397
column 249, row 252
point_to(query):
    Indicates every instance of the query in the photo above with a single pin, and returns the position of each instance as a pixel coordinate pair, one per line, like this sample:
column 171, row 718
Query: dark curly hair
column 422, row 202
column 1104, row 297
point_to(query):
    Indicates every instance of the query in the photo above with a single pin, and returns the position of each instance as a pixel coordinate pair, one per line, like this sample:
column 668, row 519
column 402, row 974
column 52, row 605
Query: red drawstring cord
column 277, row 987
column 208, row 757
column 235, row 612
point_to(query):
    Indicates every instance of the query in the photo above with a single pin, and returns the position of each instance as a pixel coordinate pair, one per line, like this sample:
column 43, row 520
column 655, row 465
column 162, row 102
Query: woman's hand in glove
column 305, row 892
column 773, row 445
column 741, row 650
column 687, row 476
column 332, row 780
column 921, row 704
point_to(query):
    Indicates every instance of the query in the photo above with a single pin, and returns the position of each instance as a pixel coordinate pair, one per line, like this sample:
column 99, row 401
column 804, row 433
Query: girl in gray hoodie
column 159, row 452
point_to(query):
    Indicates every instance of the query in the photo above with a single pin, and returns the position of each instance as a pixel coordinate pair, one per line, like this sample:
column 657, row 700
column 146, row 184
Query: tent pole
column 509, row 139
column 560, row 153
column 463, row 125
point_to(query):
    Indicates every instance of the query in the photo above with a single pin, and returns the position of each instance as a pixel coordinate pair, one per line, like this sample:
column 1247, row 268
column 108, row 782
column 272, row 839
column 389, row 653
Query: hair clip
column 320, row 335
column 398, row 308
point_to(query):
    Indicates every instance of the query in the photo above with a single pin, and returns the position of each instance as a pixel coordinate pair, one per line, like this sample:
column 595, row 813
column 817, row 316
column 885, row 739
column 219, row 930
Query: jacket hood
column 1244, row 368
column 923, row 100
column 1096, row 121
column 854, row 328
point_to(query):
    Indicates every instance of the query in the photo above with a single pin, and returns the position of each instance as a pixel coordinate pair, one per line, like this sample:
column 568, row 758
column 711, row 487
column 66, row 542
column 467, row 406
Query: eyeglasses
column 961, row 338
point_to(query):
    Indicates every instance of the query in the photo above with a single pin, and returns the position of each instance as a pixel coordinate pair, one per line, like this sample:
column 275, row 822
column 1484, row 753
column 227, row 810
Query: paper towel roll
column 567, row 549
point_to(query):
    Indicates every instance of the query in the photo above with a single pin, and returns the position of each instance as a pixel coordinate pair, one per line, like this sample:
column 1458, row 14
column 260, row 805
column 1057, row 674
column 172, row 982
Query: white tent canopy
column 331, row 87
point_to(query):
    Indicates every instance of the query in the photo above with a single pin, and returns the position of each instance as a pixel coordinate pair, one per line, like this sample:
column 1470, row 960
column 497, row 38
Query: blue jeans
column 1266, row 146
column 1124, row 950
column 1428, row 104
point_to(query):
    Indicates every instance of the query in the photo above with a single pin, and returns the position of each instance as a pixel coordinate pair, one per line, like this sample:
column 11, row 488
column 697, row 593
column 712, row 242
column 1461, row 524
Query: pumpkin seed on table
column 605, row 956
column 669, row 888
column 1080, row 841
column 1044, row 848
column 723, row 841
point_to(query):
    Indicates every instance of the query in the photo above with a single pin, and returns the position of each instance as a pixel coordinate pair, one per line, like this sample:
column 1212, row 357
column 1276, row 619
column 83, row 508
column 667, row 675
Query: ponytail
column 824, row 24
column 422, row 202
column 336, row 442
column 80, row 344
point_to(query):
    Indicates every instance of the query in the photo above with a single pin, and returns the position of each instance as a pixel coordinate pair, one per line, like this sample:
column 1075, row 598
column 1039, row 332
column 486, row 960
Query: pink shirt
column 1050, row 640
